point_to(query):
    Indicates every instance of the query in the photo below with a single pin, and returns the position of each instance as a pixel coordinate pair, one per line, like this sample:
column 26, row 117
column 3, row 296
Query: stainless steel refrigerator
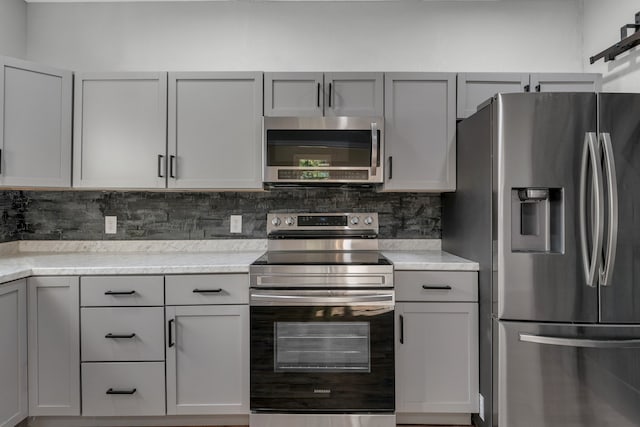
column 548, row 202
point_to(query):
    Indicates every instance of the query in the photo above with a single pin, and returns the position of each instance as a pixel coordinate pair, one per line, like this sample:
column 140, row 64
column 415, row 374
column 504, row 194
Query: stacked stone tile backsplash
column 79, row 215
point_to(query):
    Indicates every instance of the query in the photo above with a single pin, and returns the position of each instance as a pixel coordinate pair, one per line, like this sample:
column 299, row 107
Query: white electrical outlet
column 236, row 223
column 110, row 224
column 481, row 404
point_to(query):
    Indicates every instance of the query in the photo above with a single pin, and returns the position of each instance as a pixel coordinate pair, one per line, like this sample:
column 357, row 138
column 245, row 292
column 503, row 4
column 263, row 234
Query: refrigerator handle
column 581, row 342
column 612, row 190
column 590, row 155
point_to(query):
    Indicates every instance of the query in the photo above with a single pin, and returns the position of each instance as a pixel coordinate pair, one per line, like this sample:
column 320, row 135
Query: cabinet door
column 54, row 346
column 13, row 353
column 353, row 94
column 35, row 125
column 293, row 94
column 120, row 130
column 420, row 129
column 566, row 82
column 215, row 130
column 437, row 357
column 208, row 360
column 476, row 88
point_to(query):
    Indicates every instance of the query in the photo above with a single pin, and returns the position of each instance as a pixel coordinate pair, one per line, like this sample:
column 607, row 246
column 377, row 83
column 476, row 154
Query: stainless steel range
column 322, row 334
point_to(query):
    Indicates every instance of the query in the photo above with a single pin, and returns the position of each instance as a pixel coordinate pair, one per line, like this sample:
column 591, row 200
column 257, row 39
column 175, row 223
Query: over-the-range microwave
column 323, row 150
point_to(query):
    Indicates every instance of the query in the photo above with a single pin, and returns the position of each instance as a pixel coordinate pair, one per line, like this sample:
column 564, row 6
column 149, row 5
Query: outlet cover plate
column 110, row 224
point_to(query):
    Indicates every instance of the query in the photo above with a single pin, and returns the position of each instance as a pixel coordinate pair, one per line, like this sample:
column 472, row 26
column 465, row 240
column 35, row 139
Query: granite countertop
column 87, row 258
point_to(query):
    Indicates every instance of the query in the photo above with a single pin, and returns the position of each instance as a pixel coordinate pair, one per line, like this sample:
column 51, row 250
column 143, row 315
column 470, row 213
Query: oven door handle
column 328, row 297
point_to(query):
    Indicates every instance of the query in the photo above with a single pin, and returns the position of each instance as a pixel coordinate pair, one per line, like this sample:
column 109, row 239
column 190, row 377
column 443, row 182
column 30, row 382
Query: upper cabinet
column 35, row 125
column 328, row 94
column 120, row 130
column 420, row 126
column 215, row 130
column 475, row 88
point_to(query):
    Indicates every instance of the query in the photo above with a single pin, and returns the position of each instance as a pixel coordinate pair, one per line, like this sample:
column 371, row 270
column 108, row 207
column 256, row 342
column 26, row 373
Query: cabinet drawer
column 122, row 334
column 207, row 289
column 122, row 389
column 106, row 291
column 436, row 285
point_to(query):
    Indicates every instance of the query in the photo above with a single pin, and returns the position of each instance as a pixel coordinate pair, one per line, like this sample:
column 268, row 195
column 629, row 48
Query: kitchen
column 437, row 37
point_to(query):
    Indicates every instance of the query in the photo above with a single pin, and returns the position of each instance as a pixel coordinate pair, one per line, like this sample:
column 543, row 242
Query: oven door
column 323, row 149
column 322, row 351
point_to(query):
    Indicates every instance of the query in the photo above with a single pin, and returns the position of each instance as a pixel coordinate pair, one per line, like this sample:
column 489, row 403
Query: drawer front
column 119, row 291
column 207, row 289
column 122, row 334
column 436, row 286
column 123, row 389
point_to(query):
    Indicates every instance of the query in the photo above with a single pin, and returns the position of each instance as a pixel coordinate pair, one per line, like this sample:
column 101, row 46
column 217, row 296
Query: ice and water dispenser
column 537, row 220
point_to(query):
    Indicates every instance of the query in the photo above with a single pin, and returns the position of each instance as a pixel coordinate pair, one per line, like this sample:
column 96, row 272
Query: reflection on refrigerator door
column 555, row 375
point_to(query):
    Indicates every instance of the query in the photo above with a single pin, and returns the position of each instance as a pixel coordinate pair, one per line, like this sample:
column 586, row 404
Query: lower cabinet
column 123, row 389
column 436, row 343
column 437, row 358
column 13, row 353
column 122, row 348
column 54, row 346
column 207, row 359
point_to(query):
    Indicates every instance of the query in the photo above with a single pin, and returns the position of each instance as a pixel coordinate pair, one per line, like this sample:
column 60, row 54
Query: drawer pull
column 207, row 291
column 170, row 338
column 110, row 335
column 116, row 293
column 436, row 287
column 401, row 329
column 128, row 391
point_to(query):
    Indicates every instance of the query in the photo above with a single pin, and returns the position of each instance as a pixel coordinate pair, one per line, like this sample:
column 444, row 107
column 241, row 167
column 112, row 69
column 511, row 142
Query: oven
column 323, row 150
column 322, row 325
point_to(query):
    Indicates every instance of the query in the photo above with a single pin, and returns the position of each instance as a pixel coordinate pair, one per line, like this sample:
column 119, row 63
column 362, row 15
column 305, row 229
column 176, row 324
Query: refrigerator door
column 555, row 375
column 545, row 150
column 620, row 287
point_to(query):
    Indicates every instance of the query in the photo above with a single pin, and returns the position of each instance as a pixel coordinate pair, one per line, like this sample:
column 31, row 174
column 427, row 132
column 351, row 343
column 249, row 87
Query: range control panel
column 322, row 221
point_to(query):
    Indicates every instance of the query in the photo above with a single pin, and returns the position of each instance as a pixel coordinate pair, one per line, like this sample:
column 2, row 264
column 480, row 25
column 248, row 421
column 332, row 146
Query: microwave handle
column 374, row 148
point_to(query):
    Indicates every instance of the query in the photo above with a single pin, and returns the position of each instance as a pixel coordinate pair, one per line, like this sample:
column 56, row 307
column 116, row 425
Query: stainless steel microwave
column 323, row 150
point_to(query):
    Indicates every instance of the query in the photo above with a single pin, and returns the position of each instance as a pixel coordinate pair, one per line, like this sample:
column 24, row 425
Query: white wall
column 506, row 35
column 602, row 22
column 13, row 28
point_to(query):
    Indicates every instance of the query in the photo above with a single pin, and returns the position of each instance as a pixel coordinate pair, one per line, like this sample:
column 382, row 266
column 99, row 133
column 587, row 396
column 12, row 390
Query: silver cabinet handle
column 591, row 264
column 374, row 148
column 612, row 190
column 581, row 342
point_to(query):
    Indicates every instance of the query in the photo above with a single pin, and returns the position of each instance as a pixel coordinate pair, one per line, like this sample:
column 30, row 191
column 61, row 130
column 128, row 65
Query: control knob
column 275, row 221
column 355, row 220
column 368, row 220
column 289, row 221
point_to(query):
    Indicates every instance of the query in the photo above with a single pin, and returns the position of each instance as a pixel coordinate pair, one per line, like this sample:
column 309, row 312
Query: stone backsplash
column 79, row 215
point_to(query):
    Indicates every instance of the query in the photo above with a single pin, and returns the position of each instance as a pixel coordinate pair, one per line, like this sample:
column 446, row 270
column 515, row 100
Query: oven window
column 322, row 347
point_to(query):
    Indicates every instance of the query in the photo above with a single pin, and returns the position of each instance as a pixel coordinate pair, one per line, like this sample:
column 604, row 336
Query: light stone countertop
column 84, row 258
column 429, row 260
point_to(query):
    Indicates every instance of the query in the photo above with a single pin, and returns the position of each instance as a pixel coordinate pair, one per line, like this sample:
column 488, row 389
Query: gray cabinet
column 475, row 88
column 35, row 125
column 122, row 348
column 566, row 82
column 420, row 126
column 54, row 346
column 215, row 130
column 13, row 353
column 329, row 94
column 207, row 349
column 437, row 343
column 120, row 130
